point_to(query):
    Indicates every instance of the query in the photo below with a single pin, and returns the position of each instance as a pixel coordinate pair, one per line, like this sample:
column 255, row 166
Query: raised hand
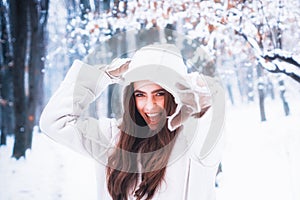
column 195, row 100
column 117, row 68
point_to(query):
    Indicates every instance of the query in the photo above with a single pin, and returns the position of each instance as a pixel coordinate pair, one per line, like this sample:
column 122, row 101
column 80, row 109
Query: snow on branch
column 277, row 61
column 278, row 66
column 279, row 54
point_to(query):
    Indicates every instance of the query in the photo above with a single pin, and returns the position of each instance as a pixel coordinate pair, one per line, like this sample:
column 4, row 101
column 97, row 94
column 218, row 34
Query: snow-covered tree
column 245, row 39
column 269, row 27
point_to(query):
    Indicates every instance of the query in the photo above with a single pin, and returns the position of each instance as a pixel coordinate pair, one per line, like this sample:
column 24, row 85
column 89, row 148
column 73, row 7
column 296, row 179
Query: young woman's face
column 150, row 102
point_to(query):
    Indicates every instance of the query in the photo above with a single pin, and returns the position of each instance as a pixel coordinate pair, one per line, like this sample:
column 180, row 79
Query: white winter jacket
column 191, row 173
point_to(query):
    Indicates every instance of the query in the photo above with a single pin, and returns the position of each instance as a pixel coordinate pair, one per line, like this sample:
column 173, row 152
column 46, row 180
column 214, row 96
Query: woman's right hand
column 117, row 68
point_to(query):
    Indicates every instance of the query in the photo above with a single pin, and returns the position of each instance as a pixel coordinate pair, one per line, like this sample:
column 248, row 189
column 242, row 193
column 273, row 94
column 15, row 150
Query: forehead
column 146, row 86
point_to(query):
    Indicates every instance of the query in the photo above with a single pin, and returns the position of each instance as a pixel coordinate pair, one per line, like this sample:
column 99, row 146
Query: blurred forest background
column 253, row 45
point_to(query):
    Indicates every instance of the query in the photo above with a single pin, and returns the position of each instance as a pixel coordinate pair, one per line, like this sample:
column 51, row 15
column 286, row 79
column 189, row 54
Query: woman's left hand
column 195, row 99
column 195, row 94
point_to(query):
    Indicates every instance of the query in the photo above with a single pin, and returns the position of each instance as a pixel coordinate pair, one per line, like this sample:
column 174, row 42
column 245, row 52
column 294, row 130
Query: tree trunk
column 115, row 9
column 85, row 8
column 285, row 104
column 250, row 90
column 106, row 5
column 71, row 10
column 38, row 18
column 270, row 89
column 40, row 94
column 97, row 6
column 261, row 95
column 7, row 114
column 6, row 93
column 261, row 85
column 19, row 33
column 278, row 33
column 2, row 100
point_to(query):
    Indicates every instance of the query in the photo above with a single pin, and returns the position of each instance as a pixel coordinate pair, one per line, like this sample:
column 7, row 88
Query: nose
column 150, row 104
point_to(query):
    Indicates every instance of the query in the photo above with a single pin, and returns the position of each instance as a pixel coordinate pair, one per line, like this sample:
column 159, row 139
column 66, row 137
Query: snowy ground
column 260, row 162
column 50, row 172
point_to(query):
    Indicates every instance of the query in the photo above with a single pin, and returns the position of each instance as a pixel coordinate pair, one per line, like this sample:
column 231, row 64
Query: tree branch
column 288, row 59
column 273, row 57
column 283, row 71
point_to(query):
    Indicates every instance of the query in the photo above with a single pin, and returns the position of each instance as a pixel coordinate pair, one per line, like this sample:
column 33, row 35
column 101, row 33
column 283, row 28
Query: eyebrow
column 154, row 91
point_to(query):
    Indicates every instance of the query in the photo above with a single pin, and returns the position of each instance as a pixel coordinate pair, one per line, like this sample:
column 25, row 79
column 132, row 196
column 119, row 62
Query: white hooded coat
column 192, row 167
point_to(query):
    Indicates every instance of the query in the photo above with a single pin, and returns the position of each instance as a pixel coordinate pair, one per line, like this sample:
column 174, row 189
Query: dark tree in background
column 38, row 12
column 6, row 93
column 23, row 54
column 18, row 14
column 261, row 85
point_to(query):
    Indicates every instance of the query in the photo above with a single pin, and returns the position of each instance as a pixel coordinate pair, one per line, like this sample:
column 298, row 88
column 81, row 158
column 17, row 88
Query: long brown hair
column 122, row 174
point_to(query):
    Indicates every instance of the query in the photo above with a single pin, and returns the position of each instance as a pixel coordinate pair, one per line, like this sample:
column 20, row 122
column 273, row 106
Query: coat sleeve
column 62, row 119
column 212, row 138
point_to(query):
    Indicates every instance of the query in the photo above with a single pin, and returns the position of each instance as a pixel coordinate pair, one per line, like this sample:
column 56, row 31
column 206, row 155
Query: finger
column 124, row 67
column 187, row 98
column 119, row 71
column 182, row 116
column 200, row 114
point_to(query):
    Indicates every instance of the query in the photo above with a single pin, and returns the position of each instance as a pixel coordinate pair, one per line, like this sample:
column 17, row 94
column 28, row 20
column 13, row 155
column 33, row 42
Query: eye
column 161, row 93
column 139, row 94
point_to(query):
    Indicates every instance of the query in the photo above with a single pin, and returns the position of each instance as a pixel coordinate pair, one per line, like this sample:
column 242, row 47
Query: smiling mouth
column 153, row 114
column 154, row 117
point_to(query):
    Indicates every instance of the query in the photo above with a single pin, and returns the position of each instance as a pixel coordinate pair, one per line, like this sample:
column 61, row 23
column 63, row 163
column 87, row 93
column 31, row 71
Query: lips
column 153, row 117
column 152, row 114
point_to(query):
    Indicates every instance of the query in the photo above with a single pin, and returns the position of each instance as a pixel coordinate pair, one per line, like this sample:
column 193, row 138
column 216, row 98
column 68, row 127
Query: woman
column 164, row 147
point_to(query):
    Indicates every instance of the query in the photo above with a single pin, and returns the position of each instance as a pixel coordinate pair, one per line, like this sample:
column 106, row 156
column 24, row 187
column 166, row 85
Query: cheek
column 161, row 103
column 139, row 104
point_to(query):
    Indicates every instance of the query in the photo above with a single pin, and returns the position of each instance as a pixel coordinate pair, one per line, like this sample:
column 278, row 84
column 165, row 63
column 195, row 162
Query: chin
column 153, row 127
column 157, row 127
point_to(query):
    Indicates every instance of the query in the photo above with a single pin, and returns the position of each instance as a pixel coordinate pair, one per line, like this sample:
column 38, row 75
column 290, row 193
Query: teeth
column 153, row 114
